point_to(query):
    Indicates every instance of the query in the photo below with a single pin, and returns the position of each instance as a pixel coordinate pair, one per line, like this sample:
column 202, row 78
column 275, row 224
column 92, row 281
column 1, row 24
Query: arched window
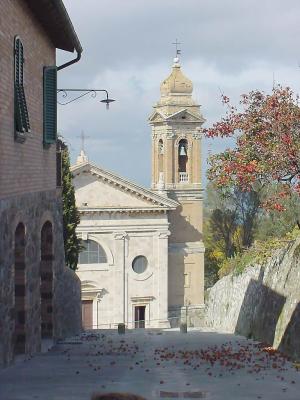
column 182, row 155
column 92, row 253
column 160, row 147
column 160, row 156
column 183, row 161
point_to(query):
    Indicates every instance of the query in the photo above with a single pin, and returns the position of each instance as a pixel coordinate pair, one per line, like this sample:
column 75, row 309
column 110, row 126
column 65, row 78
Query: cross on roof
column 178, row 51
column 82, row 137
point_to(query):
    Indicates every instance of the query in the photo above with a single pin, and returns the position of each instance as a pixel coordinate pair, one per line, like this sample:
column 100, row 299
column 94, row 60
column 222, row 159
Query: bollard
column 183, row 328
column 121, row 329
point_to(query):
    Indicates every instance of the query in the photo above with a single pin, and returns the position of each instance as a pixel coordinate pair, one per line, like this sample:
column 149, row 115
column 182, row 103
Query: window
column 183, row 161
column 22, row 124
column 139, row 264
column 160, row 147
column 92, row 253
column 50, row 105
column 182, row 155
column 160, row 156
column 187, row 280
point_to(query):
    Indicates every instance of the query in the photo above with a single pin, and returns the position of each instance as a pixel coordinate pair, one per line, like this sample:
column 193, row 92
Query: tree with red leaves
column 267, row 150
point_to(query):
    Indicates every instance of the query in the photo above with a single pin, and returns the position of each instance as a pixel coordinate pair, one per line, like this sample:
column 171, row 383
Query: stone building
column 143, row 262
column 39, row 296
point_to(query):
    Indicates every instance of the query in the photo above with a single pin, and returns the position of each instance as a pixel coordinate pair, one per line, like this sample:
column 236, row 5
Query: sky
column 227, row 46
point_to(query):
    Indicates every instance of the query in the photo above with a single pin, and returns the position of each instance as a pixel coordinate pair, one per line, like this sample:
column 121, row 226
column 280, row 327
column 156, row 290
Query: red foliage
column 267, row 147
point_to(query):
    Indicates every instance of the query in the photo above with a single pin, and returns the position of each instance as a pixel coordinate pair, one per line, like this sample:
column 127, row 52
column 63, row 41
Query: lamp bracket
column 84, row 92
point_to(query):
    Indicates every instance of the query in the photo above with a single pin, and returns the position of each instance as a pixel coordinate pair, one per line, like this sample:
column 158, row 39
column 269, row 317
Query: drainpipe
column 70, row 31
column 79, row 52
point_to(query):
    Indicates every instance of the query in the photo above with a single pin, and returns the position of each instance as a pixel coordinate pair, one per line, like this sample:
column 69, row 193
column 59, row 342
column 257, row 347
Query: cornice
column 172, row 118
column 122, row 210
column 87, row 228
column 187, row 247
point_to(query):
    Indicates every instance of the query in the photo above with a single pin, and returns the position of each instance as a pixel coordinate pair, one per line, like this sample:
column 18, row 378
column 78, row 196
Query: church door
column 139, row 316
column 87, row 314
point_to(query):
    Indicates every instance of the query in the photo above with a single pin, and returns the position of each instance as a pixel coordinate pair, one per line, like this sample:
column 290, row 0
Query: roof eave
column 55, row 19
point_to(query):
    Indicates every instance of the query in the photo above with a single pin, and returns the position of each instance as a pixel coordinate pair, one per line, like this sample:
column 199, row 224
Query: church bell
column 182, row 151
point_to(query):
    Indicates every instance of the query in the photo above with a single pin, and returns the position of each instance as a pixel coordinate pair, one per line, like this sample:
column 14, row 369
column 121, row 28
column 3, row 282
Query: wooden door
column 87, row 314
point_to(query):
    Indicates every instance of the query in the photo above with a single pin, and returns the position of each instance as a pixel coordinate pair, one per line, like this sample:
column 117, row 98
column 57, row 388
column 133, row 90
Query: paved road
column 154, row 364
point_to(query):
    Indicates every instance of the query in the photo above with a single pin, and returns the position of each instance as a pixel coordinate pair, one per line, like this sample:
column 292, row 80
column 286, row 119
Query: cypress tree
column 71, row 218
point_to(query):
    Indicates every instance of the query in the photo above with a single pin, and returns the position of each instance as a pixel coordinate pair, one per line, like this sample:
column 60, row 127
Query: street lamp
column 84, row 92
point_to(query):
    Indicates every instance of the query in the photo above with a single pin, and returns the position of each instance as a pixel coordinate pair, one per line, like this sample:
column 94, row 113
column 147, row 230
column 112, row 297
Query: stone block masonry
column 263, row 302
column 47, row 302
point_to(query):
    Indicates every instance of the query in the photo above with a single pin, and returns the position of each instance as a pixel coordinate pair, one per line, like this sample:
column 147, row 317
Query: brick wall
column 24, row 167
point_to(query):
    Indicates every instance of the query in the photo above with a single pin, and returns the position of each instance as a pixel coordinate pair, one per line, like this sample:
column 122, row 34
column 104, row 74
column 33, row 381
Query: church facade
column 143, row 257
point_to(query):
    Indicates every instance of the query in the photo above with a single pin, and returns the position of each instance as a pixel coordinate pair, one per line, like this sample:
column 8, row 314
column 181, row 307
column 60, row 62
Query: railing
column 182, row 317
column 183, row 177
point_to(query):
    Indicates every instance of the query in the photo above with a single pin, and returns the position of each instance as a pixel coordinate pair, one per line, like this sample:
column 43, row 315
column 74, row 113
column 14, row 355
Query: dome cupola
column 176, row 83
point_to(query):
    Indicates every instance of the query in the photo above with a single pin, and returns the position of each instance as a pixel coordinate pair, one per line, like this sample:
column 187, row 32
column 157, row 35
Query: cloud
column 227, row 46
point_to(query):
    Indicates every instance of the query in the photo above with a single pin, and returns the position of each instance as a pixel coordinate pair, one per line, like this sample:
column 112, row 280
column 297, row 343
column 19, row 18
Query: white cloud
column 229, row 46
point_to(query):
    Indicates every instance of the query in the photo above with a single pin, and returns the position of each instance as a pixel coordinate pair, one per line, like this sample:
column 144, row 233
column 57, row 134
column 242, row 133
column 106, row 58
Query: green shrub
column 297, row 251
column 258, row 253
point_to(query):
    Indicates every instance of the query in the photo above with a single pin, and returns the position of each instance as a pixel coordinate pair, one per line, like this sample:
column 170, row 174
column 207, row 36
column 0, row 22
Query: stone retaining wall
column 262, row 303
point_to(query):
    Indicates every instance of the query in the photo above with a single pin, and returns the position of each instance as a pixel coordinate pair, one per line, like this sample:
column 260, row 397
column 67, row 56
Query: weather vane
column 178, row 51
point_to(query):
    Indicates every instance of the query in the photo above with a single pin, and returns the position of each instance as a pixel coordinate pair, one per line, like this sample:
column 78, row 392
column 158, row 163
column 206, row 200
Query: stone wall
column 261, row 303
column 67, row 311
column 193, row 316
column 33, row 210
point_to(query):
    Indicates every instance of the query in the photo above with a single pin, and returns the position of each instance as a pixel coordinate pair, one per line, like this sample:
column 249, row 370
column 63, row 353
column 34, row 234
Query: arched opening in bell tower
column 160, row 160
column 160, row 156
column 183, row 160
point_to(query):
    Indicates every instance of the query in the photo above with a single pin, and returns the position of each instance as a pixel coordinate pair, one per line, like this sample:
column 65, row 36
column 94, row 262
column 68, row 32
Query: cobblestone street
column 154, row 364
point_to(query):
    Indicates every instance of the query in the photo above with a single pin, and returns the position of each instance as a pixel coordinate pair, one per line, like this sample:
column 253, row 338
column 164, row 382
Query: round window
column 139, row 264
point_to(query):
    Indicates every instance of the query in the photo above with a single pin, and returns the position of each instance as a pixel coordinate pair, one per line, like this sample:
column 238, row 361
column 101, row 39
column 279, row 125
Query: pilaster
column 162, row 287
column 120, row 278
column 169, row 156
column 154, row 160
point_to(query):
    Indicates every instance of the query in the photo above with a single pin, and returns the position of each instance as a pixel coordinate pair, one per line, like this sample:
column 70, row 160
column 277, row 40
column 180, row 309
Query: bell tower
column 176, row 172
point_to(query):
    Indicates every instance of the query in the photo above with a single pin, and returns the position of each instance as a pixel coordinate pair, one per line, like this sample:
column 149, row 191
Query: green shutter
column 22, row 123
column 50, row 105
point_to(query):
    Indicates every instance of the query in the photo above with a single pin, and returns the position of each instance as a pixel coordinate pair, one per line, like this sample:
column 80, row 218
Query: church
column 142, row 262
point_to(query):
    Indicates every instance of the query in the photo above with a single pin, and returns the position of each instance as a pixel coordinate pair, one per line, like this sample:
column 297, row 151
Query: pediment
column 157, row 116
column 96, row 188
column 185, row 116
